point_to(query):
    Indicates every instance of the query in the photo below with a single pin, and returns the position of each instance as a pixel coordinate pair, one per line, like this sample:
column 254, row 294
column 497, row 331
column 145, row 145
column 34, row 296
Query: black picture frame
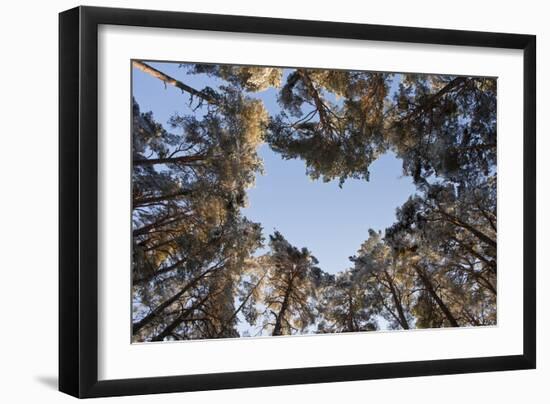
column 78, row 201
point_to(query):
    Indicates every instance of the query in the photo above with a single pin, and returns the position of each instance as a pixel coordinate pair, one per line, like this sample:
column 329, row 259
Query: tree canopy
column 201, row 269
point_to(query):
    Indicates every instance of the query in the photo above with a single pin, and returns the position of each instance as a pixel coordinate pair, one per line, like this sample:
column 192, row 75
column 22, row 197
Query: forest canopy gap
column 196, row 271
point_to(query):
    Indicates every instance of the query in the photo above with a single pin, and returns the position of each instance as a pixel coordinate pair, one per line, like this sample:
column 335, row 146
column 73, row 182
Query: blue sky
column 331, row 222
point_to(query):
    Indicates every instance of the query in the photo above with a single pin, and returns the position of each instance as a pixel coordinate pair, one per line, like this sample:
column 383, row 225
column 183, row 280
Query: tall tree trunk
column 148, row 200
column 350, row 320
column 160, row 308
column 173, row 82
column 170, row 160
column 238, row 310
column 429, row 287
column 457, row 222
column 180, row 319
column 397, row 303
column 430, row 101
column 164, row 221
column 161, row 271
column 277, row 330
column 489, row 262
column 319, row 104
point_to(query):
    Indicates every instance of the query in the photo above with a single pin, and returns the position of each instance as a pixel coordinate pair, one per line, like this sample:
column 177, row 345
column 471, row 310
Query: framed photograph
column 251, row 201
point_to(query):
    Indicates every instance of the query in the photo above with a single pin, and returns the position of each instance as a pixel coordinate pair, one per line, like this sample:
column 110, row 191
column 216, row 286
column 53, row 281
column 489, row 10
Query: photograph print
column 285, row 201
